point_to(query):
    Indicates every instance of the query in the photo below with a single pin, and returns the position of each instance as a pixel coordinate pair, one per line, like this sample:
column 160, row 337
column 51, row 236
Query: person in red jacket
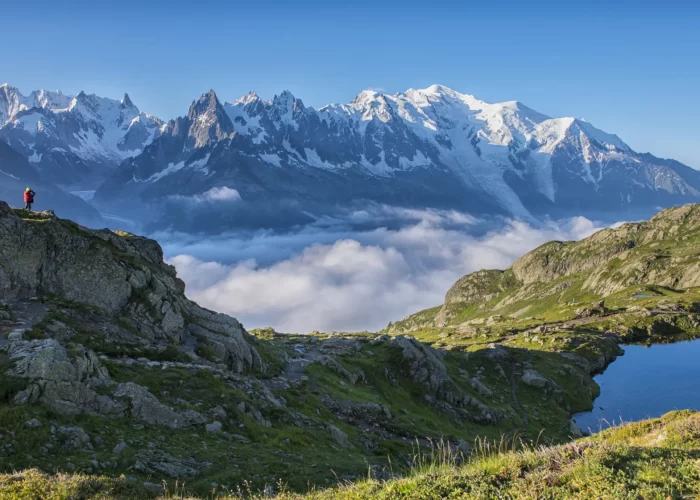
column 28, row 199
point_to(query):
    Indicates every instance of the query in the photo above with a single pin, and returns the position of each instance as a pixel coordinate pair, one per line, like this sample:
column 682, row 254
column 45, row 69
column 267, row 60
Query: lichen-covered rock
column 33, row 423
column 213, row 427
column 74, row 438
column 480, row 387
column 332, row 364
column 229, row 341
column 65, row 382
column 351, row 411
column 48, row 360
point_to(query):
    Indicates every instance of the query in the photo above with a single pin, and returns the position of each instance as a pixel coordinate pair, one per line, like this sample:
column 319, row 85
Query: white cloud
column 214, row 194
column 222, row 194
column 351, row 280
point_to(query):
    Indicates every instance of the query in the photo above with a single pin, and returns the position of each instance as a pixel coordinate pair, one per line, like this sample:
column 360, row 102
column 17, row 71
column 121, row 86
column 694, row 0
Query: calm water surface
column 644, row 383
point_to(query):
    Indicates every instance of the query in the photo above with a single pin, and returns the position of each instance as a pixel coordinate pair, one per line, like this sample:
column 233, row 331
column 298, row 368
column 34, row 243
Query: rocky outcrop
column 339, row 436
column 535, row 379
column 65, row 382
column 145, row 406
column 121, row 275
column 227, row 337
column 424, row 366
column 475, row 288
column 480, row 387
column 72, row 382
column 332, row 364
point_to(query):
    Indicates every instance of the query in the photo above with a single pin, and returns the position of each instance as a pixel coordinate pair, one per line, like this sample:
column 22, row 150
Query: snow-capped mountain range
column 277, row 162
column 74, row 140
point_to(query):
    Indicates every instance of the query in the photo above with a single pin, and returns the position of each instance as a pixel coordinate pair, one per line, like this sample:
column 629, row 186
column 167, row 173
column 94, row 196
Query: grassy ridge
column 553, row 281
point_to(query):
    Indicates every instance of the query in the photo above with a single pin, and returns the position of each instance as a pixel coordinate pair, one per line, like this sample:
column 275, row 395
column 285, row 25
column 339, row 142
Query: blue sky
column 630, row 68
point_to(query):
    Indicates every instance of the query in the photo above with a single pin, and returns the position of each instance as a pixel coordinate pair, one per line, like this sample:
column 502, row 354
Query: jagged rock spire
column 208, row 120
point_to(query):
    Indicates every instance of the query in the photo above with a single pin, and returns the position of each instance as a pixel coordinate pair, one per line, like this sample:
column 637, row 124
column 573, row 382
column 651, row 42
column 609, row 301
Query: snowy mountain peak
column 51, row 100
column 247, row 99
column 74, row 137
column 364, row 98
column 437, row 89
column 212, row 95
column 431, row 147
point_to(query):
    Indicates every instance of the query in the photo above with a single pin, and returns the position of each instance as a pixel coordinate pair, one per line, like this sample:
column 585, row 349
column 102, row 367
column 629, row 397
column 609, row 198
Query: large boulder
column 424, row 363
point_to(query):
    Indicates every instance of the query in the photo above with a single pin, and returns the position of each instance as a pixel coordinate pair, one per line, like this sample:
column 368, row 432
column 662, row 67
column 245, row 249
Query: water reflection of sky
column 646, row 382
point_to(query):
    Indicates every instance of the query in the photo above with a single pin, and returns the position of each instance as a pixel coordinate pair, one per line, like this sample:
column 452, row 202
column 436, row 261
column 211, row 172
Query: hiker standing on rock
column 28, row 199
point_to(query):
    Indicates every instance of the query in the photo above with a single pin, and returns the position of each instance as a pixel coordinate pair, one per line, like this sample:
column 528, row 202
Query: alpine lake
column 647, row 381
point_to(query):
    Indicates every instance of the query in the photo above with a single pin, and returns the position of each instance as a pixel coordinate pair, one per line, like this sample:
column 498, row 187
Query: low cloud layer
column 332, row 278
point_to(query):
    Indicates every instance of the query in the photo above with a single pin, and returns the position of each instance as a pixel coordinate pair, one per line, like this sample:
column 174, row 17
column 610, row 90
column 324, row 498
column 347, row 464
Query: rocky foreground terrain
column 651, row 459
column 109, row 370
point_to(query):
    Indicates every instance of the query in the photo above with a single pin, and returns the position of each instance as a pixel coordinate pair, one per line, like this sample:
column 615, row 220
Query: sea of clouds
column 351, row 273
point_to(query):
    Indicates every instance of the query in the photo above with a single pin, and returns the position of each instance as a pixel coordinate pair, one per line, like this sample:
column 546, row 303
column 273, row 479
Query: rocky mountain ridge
column 282, row 163
column 431, row 147
column 73, row 141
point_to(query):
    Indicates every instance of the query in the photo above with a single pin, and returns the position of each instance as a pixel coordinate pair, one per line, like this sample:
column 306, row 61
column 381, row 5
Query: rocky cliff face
column 123, row 276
